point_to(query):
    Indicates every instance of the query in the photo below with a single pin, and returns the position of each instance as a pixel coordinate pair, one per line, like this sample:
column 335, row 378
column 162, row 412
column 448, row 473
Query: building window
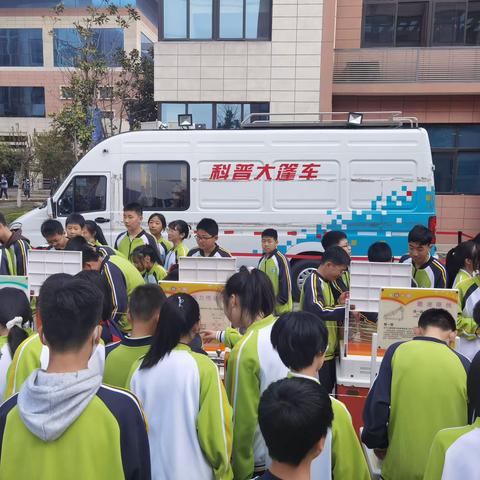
column 212, row 115
column 216, row 19
column 420, row 23
column 456, row 156
column 21, row 47
column 67, row 46
column 22, row 102
column 146, row 46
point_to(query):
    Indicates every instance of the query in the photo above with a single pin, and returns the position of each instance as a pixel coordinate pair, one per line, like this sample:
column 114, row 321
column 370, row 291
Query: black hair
column 161, row 217
column 437, row 317
column 3, row 220
column 270, row 233
column 476, row 314
column 209, row 225
column 96, row 231
column 473, row 385
column 147, row 251
column 173, row 274
column 145, row 301
column 254, row 290
column 456, row 259
column 181, row 226
column 101, row 282
column 76, row 244
column 336, row 255
column 332, row 238
column 421, row 235
column 15, row 303
column 69, row 312
column 133, row 207
column 380, row 252
column 299, row 337
column 51, row 227
column 179, row 314
column 294, row 414
column 75, row 219
column 476, row 239
column 89, row 254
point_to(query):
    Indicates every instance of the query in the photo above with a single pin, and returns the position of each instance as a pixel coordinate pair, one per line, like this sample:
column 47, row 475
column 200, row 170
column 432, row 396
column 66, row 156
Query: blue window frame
column 22, row 102
column 21, row 47
column 67, row 44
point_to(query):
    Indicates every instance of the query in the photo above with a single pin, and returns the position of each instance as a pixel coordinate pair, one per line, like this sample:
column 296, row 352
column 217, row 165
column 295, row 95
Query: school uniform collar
column 183, row 347
column 260, row 323
column 142, row 232
column 292, row 374
column 271, row 254
column 106, row 258
column 137, row 341
column 430, row 339
column 268, row 475
column 470, row 275
column 212, row 253
column 426, row 264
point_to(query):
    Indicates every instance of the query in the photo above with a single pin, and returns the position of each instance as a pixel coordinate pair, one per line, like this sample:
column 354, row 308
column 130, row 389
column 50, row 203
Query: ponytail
column 16, row 335
column 179, row 314
column 456, row 258
column 96, row 231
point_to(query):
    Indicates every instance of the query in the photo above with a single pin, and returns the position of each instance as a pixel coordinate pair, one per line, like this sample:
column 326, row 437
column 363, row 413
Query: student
column 178, row 231
column 294, row 415
column 468, row 344
column 338, row 238
column 32, row 354
column 122, row 278
column 54, row 234
column 143, row 314
column 157, row 225
column 427, row 272
column 380, row 252
column 135, row 236
column 15, row 318
column 188, row 414
column 301, row 341
column 461, row 263
column 454, row 450
column 420, row 389
column 147, row 262
column 277, row 268
column 207, row 238
column 74, row 225
column 93, row 234
column 321, row 298
column 63, row 413
column 16, row 247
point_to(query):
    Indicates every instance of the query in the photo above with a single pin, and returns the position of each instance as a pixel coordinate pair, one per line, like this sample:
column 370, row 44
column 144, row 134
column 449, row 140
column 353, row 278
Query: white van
column 373, row 183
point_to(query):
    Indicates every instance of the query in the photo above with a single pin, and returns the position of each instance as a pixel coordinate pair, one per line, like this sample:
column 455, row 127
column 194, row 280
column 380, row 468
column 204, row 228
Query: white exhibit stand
column 206, row 269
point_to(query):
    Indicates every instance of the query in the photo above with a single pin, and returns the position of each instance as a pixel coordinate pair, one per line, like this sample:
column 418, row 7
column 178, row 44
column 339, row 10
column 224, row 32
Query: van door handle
column 102, row 220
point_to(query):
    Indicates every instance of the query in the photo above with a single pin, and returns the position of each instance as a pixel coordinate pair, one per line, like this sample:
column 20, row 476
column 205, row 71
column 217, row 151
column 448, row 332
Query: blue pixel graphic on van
column 390, row 218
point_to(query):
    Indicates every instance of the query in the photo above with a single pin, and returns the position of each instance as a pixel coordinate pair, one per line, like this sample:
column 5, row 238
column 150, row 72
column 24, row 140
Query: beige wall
column 348, row 24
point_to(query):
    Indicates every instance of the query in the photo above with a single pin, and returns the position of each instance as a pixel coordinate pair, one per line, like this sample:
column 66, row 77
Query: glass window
column 468, row 136
column 200, row 19
column 441, row 136
column 449, row 23
column 21, row 47
column 468, row 173
column 258, row 19
column 146, row 46
column 443, row 174
column 84, row 194
column 228, row 115
column 174, row 19
column 22, row 102
column 379, row 24
column 410, row 24
column 157, row 185
column 201, row 113
column 231, row 18
column 473, row 24
column 250, row 108
column 171, row 111
column 67, row 46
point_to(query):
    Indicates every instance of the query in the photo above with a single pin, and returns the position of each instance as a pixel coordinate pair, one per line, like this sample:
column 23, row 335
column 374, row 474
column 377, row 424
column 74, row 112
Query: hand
column 380, row 453
column 208, row 335
column 342, row 299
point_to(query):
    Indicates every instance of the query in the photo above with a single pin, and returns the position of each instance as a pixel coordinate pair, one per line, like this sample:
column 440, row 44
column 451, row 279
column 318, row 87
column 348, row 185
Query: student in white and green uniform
column 421, row 388
column 461, row 263
column 157, row 225
column 178, row 231
column 147, row 262
column 187, row 410
column 338, row 238
column 301, row 341
column 454, row 451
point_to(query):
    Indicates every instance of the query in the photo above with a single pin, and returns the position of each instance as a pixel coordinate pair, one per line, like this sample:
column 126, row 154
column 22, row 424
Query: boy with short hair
column 427, row 272
column 207, row 238
column 420, row 389
column 338, row 238
column 294, row 415
column 74, row 224
column 277, row 268
column 301, row 340
column 135, row 236
column 54, row 234
column 16, row 248
column 380, row 252
column 143, row 314
column 320, row 297
column 59, row 411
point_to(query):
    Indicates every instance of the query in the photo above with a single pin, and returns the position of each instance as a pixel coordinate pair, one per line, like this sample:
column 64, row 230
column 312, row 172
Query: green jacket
column 468, row 296
column 125, row 245
column 431, row 274
column 155, row 274
column 461, row 276
column 277, row 268
column 164, row 246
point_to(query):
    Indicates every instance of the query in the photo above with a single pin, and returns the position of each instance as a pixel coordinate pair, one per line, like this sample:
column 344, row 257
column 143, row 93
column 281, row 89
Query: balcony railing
column 407, row 65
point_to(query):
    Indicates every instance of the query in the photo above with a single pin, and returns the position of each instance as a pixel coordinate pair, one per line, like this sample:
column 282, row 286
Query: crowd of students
column 111, row 355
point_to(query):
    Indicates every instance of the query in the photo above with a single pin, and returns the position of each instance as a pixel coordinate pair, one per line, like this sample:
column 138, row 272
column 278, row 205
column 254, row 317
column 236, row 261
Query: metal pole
column 373, row 358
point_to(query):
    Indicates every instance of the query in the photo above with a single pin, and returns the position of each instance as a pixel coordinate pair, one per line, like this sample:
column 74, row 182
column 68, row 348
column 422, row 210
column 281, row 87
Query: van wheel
column 301, row 270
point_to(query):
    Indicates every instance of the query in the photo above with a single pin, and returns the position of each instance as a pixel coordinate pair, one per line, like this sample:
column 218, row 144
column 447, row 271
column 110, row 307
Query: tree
column 54, row 154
